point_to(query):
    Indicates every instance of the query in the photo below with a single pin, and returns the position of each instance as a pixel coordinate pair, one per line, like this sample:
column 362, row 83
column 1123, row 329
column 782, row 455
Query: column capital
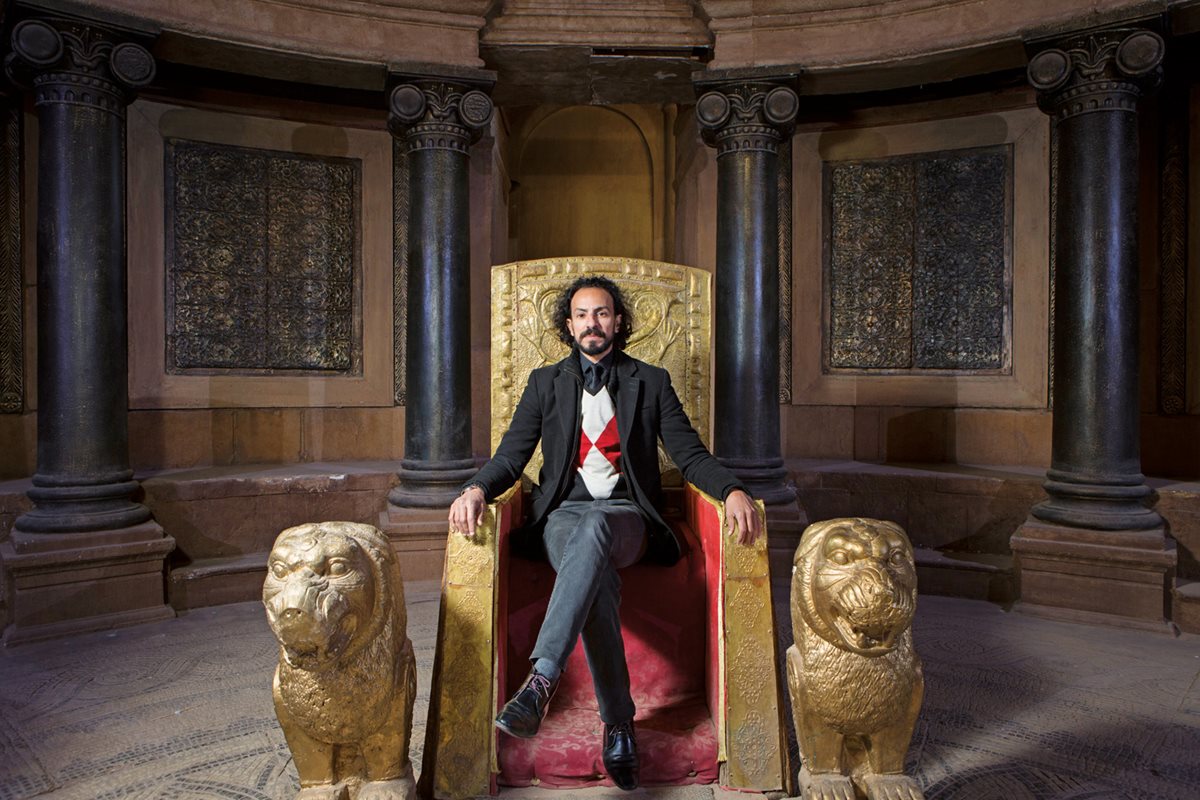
column 67, row 61
column 438, row 114
column 1101, row 70
column 748, row 115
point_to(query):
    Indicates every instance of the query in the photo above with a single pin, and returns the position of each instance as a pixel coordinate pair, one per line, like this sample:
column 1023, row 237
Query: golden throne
column 699, row 636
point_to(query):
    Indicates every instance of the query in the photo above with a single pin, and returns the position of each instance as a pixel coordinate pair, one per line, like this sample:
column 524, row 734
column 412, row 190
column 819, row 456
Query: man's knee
column 594, row 530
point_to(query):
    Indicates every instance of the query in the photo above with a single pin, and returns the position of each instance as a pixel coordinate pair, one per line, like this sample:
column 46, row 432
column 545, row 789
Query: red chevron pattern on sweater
column 599, row 445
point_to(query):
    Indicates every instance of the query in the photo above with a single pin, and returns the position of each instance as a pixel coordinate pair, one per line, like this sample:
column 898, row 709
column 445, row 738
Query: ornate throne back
column 670, row 304
column 699, row 636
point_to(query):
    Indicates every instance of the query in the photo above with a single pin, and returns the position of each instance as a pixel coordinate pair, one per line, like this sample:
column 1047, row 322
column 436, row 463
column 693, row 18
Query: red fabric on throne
column 665, row 620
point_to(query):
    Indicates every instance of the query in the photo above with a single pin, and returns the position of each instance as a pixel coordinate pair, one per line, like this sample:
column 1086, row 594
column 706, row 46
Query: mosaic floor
column 1016, row 708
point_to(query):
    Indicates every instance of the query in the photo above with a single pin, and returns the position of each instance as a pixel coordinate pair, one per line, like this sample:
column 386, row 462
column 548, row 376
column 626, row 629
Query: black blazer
column 647, row 409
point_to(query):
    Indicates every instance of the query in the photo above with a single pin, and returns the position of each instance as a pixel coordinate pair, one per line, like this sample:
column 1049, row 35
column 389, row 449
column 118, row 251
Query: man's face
column 592, row 323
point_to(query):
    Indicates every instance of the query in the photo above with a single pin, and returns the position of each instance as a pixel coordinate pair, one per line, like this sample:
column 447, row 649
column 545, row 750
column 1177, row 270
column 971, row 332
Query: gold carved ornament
column 671, row 307
column 749, row 718
column 462, row 761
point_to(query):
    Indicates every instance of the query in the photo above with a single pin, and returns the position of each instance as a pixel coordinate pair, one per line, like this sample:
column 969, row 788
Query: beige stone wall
column 696, row 195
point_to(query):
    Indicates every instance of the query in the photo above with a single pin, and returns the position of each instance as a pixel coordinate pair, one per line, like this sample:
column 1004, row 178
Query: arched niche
column 588, row 180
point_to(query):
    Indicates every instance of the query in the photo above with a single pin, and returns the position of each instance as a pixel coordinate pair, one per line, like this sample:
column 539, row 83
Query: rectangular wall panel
column 263, row 266
column 918, row 266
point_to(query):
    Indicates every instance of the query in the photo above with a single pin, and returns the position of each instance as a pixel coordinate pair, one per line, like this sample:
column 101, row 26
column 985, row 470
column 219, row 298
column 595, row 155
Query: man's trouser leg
column 587, row 542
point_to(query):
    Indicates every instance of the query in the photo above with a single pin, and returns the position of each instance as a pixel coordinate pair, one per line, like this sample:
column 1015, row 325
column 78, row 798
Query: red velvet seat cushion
column 664, row 627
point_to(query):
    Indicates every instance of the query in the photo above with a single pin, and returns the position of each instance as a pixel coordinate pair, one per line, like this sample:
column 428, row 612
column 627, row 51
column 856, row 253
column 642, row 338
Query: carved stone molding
column 438, row 115
column 785, row 271
column 747, row 116
column 12, row 339
column 400, row 206
column 1105, row 70
column 1053, row 261
column 1172, row 275
column 69, row 62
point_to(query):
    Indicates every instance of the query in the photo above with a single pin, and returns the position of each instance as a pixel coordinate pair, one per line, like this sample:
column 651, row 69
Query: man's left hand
column 741, row 515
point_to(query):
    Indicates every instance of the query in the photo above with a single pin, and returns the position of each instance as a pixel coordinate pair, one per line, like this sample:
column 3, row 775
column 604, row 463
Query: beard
column 595, row 346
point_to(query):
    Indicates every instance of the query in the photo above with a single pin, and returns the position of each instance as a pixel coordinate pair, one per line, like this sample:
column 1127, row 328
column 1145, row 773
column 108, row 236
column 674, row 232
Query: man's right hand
column 466, row 512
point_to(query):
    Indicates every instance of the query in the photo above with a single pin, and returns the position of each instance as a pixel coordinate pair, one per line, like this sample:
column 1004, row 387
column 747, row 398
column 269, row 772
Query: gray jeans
column 587, row 542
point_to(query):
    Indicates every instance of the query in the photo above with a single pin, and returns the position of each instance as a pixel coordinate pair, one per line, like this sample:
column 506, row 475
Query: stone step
column 215, row 581
column 1185, row 605
column 975, row 576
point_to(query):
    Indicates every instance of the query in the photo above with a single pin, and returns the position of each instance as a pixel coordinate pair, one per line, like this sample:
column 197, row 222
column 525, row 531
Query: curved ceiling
column 835, row 45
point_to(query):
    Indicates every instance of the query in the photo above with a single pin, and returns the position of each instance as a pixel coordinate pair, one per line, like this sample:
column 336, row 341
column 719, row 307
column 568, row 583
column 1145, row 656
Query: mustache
column 593, row 332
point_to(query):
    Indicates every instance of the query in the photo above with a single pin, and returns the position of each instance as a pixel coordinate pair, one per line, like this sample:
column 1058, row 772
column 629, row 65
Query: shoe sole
column 505, row 729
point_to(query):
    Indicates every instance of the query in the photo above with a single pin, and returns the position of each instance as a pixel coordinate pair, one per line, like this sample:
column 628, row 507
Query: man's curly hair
column 562, row 309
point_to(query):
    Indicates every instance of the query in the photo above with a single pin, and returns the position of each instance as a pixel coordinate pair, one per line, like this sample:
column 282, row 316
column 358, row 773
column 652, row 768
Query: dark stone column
column 1093, row 547
column 436, row 120
column 746, row 121
column 85, row 521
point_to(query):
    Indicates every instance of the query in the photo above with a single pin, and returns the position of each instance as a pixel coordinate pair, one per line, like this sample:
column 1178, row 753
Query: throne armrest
column 460, row 751
column 744, row 691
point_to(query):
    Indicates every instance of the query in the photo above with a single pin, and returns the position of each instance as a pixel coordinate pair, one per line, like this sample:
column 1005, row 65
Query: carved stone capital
column 75, row 63
column 747, row 116
column 438, row 115
column 1106, row 70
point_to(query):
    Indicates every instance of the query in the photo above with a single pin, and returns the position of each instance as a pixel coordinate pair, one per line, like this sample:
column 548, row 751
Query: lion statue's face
column 319, row 593
column 858, row 583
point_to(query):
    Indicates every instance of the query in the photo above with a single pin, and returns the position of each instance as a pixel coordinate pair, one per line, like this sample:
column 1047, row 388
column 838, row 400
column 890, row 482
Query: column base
column 766, row 479
column 430, row 484
column 79, row 582
column 1111, row 503
column 418, row 536
column 1094, row 576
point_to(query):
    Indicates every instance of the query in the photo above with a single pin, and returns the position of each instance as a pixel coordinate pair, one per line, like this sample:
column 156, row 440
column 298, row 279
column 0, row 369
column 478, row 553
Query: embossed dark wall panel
column 917, row 262
column 263, row 252
column 12, row 340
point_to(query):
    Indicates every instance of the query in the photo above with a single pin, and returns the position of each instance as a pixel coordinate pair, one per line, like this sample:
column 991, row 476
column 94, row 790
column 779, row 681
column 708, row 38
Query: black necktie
column 595, row 378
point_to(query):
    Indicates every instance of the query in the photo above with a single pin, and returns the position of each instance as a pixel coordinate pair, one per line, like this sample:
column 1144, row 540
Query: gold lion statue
column 853, row 676
column 346, row 679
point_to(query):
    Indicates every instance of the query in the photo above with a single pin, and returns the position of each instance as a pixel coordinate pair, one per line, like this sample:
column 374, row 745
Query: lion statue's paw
column 891, row 787
column 826, row 786
column 395, row 789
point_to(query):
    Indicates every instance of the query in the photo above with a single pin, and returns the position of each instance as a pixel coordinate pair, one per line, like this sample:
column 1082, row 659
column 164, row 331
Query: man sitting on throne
column 599, row 414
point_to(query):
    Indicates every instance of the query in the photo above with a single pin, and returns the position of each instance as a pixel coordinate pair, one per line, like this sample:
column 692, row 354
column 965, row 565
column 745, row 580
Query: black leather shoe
column 620, row 755
column 522, row 715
